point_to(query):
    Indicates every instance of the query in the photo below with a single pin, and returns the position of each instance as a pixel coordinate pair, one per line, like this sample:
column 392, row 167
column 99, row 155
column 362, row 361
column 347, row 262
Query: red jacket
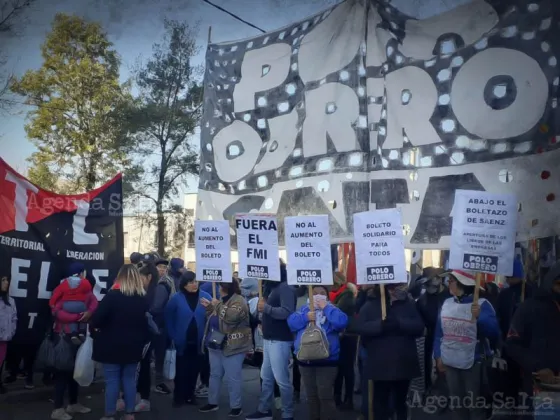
column 62, row 318
column 65, row 293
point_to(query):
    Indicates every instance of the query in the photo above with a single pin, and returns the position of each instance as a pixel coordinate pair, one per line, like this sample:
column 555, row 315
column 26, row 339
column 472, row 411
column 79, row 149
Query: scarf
column 334, row 294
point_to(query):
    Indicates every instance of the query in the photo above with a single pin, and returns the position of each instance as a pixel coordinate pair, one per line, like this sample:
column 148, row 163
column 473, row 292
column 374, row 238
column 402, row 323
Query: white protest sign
column 308, row 248
column 379, row 244
column 213, row 256
column 257, row 243
column 483, row 233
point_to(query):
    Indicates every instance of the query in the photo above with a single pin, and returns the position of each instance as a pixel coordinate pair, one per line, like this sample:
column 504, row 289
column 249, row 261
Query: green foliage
column 77, row 125
column 163, row 121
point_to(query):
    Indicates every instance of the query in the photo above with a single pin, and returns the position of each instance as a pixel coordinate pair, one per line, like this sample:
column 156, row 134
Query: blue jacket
column 487, row 327
column 335, row 323
column 179, row 315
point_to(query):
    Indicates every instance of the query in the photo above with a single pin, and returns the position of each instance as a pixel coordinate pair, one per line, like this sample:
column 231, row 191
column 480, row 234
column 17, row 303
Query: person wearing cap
column 429, row 305
column 176, row 268
column 391, row 358
column 136, row 258
column 460, row 344
column 533, row 342
column 165, row 289
column 185, row 321
column 319, row 375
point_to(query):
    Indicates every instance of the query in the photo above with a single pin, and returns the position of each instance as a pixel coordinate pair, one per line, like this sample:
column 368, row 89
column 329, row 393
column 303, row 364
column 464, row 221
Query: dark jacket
column 428, row 306
column 175, row 266
column 345, row 302
column 280, row 304
column 390, row 344
column 507, row 303
column 121, row 328
column 533, row 340
column 179, row 315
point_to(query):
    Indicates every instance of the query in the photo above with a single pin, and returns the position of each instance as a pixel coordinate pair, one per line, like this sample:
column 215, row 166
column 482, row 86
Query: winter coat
column 335, row 322
column 179, row 315
column 390, row 344
column 8, row 319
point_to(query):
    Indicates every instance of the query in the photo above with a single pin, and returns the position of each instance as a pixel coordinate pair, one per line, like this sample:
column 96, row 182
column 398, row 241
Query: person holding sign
column 228, row 338
column 391, row 361
column 278, row 340
column 318, row 375
column 461, row 342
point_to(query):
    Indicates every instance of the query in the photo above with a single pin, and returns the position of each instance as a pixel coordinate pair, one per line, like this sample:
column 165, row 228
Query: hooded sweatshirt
column 175, row 266
column 533, row 340
column 280, row 304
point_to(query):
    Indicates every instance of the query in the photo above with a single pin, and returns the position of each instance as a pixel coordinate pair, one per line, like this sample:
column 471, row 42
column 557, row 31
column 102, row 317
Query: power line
column 233, row 15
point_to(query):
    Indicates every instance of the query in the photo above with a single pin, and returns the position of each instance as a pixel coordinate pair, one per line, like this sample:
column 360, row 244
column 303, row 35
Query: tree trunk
column 160, row 230
column 91, row 177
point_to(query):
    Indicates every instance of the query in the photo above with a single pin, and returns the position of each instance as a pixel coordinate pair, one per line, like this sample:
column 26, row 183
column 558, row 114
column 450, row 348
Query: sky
column 134, row 25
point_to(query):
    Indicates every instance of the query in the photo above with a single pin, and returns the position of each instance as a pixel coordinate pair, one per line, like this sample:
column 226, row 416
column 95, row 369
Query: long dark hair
column 231, row 288
column 148, row 269
column 5, row 295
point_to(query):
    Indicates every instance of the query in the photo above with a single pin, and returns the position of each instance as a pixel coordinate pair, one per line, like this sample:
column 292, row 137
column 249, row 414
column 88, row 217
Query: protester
column 249, row 288
column 228, row 338
column 136, row 258
column 149, row 276
column 64, row 380
column 277, row 346
column 8, row 322
column 319, row 375
column 343, row 297
column 120, row 334
column 507, row 303
column 164, row 291
column 185, row 319
column 533, row 341
column 391, row 359
column 457, row 350
column 72, row 293
column 429, row 305
column 176, row 268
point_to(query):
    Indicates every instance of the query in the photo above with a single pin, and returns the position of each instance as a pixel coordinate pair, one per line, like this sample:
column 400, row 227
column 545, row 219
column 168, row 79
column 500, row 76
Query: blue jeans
column 115, row 375
column 275, row 367
column 229, row 367
column 74, row 307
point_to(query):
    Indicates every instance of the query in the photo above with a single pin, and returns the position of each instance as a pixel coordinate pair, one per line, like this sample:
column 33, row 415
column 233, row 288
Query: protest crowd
column 318, row 350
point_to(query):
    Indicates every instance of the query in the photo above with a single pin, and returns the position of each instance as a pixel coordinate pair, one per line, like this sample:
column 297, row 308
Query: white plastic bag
column 170, row 363
column 84, row 368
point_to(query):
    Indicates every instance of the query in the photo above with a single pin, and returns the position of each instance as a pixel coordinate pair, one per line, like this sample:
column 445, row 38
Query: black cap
column 161, row 261
column 135, row 258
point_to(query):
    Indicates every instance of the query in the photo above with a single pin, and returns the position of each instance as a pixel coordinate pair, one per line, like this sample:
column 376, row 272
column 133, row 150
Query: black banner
column 41, row 233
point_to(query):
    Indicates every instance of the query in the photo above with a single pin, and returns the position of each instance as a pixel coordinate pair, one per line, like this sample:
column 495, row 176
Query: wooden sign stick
column 260, row 288
column 383, row 302
column 214, row 290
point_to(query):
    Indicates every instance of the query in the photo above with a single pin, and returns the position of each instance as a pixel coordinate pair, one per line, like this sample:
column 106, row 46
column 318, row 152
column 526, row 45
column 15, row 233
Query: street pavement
column 20, row 406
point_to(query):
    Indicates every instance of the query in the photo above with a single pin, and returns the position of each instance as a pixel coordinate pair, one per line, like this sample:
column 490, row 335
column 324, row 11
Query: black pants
column 65, row 381
column 428, row 361
column 386, row 391
column 188, row 367
column 296, row 378
column 144, row 383
column 159, row 346
column 345, row 374
column 205, row 369
column 17, row 352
